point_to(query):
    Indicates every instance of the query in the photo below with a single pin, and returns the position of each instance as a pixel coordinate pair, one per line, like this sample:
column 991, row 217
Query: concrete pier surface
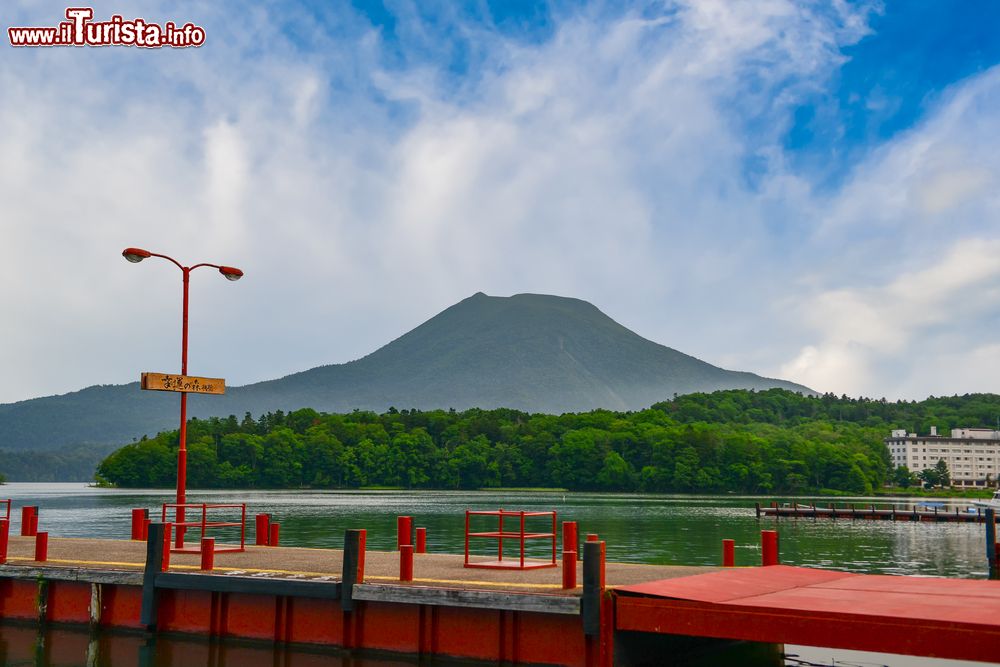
column 432, row 569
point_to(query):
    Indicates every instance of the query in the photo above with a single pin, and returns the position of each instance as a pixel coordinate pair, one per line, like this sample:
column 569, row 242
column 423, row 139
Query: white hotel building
column 972, row 454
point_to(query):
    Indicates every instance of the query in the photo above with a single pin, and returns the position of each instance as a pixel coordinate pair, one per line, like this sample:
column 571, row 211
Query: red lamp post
column 136, row 255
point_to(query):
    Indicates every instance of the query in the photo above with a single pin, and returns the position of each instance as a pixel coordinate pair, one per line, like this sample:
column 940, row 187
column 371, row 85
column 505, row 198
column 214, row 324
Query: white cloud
column 898, row 327
column 362, row 190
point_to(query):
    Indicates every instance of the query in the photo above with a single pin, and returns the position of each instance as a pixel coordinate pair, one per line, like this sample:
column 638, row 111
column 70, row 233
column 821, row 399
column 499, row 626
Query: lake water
column 683, row 530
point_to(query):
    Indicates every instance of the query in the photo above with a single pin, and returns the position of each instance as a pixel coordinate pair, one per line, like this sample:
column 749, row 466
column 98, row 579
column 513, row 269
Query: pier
column 868, row 512
column 621, row 614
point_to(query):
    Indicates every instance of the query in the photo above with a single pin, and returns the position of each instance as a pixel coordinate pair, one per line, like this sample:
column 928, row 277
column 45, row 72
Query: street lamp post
column 136, row 255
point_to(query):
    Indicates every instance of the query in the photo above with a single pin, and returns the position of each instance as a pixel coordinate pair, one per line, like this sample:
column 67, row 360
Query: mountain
column 531, row 352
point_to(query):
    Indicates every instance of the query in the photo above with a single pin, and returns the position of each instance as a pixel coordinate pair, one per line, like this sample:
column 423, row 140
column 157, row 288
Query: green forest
column 772, row 441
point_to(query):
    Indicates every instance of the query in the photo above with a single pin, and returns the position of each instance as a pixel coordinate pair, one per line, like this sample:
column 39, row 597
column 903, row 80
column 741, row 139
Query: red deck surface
column 949, row 618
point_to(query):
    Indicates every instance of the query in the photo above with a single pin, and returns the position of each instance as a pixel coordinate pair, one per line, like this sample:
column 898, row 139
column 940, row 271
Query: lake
column 682, row 530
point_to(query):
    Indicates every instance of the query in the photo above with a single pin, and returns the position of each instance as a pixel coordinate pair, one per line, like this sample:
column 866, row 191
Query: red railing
column 203, row 524
column 521, row 535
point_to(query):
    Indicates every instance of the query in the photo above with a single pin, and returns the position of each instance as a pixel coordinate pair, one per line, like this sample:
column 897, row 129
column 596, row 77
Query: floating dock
column 868, row 512
column 622, row 614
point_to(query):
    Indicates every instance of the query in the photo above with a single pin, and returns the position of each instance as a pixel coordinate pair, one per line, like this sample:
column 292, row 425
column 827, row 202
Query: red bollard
column 208, row 553
column 28, row 512
column 569, row 569
column 145, row 529
column 406, row 562
column 138, row 517
column 728, row 553
column 404, row 531
column 263, row 532
column 4, row 539
column 272, row 540
column 769, row 547
column 41, row 547
column 167, row 532
column 34, row 522
column 569, row 536
column 592, row 537
column 421, row 540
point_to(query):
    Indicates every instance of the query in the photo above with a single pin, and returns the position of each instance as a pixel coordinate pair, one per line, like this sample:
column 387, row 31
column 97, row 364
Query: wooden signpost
column 185, row 383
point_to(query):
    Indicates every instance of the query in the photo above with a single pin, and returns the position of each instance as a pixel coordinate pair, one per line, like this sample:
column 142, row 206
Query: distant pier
column 869, row 512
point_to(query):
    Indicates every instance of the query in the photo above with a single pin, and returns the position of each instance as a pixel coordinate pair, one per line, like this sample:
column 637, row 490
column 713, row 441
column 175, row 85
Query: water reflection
column 24, row 645
column 67, row 647
column 59, row 646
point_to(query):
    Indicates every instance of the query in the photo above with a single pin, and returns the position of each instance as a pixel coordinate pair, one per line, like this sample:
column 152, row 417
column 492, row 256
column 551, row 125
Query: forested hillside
column 772, row 441
column 69, row 464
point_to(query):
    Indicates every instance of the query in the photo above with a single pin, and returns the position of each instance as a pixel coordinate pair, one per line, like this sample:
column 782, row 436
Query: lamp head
column 231, row 273
column 135, row 255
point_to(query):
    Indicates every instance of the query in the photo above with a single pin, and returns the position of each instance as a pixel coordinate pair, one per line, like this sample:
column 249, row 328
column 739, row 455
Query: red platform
column 947, row 618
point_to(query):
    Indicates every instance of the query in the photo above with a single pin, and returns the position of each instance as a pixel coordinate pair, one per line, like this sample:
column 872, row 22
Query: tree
column 936, row 476
column 943, row 474
column 902, row 477
column 616, row 474
column 576, row 460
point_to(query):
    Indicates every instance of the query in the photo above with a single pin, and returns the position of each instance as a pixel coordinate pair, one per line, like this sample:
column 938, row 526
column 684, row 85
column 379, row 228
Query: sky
column 805, row 190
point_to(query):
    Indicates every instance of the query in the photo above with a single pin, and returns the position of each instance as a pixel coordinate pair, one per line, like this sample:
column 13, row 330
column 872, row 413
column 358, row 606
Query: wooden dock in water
column 869, row 512
column 623, row 614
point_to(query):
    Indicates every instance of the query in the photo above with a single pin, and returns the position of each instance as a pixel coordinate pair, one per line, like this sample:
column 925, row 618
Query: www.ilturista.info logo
column 81, row 30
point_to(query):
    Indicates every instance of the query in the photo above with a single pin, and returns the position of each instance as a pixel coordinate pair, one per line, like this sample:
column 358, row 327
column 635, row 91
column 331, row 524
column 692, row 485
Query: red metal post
column 145, row 529
column 243, row 527
column 41, row 546
column 138, row 516
column 404, row 531
column 27, row 512
column 263, row 530
column 182, row 442
column 569, row 569
column 466, row 538
column 361, row 555
column 165, row 565
column 421, row 540
column 554, row 552
column 4, row 539
column 569, row 537
column 275, row 533
column 208, row 553
column 607, row 636
column 34, row 522
column 769, row 547
column 728, row 553
column 592, row 537
column 522, row 539
column 406, row 562
column 500, row 540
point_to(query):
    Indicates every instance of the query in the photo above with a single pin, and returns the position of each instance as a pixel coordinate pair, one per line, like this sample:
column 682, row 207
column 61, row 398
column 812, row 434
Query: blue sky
column 915, row 50
column 799, row 189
